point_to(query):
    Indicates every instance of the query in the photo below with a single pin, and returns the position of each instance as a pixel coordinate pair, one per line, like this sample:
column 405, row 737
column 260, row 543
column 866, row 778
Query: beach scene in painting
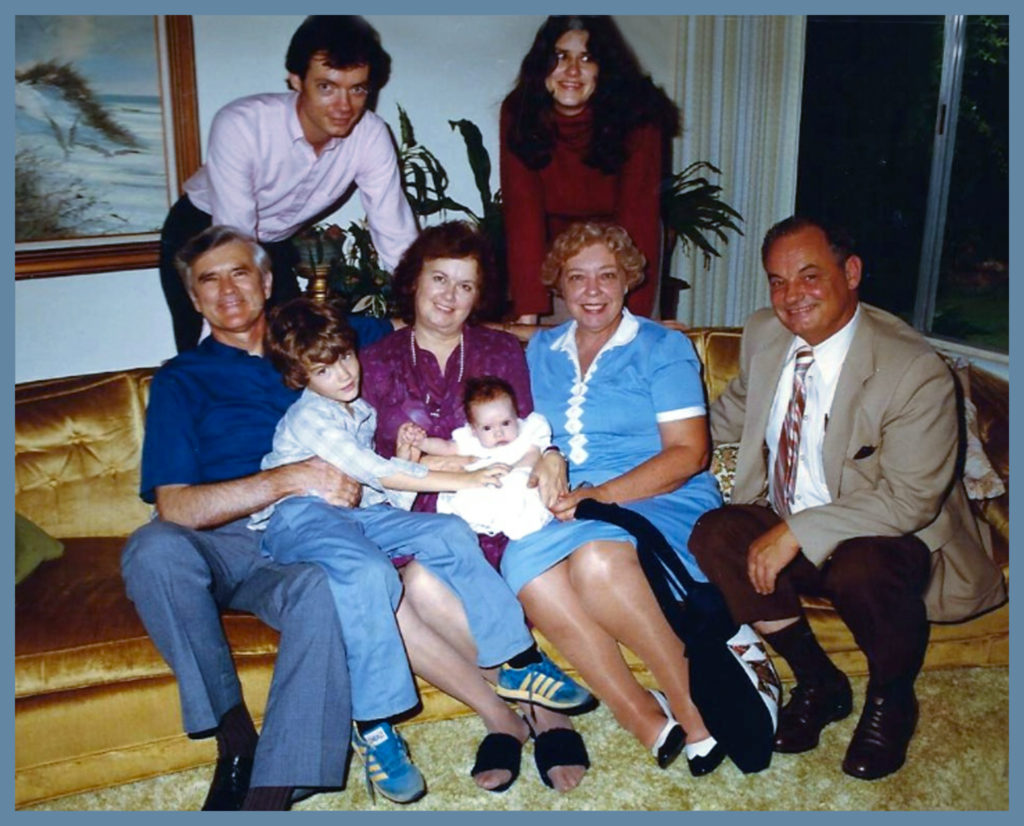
column 89, row 136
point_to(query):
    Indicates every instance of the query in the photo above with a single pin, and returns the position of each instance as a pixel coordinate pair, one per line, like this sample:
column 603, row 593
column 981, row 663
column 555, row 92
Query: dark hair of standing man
column 343, row 41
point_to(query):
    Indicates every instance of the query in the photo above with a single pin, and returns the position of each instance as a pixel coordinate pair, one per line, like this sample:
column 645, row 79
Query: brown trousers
column 875, row 583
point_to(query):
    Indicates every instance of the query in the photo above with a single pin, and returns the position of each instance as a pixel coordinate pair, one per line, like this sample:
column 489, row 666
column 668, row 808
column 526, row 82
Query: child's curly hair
column 303, row 332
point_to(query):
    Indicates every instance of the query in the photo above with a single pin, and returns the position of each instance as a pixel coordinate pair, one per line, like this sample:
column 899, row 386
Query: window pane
column 972, row 303
column 870, row 90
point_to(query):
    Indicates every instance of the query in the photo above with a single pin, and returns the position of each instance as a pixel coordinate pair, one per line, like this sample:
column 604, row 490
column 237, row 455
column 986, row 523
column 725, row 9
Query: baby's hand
column 410, row 433
column 407, row 442
column 490, row 476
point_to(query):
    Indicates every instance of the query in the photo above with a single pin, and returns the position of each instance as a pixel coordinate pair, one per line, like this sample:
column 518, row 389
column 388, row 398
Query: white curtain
column 739, row 83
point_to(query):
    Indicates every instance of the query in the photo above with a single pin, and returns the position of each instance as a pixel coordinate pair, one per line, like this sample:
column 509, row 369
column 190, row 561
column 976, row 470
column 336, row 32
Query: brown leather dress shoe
column 811, row 707
column 879, row 744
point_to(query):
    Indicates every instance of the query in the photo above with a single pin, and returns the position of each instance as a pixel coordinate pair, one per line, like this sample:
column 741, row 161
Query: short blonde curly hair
column 581, row 235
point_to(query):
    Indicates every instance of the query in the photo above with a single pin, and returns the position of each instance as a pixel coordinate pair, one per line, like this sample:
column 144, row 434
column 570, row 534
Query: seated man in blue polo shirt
column 211, row 418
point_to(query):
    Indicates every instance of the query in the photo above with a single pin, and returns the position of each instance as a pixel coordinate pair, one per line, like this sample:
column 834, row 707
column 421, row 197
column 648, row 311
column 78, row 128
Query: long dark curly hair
column 625, row 97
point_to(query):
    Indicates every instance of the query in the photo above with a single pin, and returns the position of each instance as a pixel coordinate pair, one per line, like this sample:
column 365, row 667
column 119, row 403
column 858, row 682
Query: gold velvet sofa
column 96, row 705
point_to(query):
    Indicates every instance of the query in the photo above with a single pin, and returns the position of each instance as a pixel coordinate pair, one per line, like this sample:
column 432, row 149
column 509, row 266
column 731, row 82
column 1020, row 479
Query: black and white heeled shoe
column 704, row 756
column 671, row 738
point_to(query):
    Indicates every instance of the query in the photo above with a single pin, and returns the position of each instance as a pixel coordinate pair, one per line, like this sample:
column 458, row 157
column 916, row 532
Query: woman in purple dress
column 443, row 284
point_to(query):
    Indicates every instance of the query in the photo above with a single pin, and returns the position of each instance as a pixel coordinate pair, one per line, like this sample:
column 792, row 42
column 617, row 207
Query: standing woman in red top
column 584, row 135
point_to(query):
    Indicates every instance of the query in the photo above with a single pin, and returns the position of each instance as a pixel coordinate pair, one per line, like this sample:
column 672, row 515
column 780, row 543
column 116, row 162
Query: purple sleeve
column 384, row 387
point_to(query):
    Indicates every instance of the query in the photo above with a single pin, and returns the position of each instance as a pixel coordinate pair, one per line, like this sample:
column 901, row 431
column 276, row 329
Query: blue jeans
column 355, row 547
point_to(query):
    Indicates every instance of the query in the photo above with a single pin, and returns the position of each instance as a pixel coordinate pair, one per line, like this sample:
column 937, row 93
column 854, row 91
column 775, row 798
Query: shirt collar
column 215, row 347
column 624, row 334
column 830, row 354
column 360, row 409
column 294, row 126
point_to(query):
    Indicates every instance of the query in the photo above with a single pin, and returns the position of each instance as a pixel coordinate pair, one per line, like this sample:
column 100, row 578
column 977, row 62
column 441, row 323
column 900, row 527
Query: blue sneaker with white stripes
column 388, row 767
column 544, row 684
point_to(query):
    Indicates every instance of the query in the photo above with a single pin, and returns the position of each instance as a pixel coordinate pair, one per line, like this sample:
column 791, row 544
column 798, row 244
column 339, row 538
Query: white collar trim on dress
column 624, row 334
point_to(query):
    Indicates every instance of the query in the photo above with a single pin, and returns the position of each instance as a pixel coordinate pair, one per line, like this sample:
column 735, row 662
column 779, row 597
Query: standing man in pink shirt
column 276, row 162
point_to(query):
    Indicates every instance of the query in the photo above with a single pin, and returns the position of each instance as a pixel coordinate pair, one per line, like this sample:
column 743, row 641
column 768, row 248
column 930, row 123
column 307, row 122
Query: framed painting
column 106, row 133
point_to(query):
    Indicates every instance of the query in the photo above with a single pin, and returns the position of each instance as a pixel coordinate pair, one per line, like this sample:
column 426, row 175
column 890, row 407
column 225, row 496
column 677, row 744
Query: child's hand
column 490, row 476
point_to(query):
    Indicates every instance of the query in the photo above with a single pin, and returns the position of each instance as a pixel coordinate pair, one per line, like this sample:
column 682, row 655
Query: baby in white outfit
column 493, row 433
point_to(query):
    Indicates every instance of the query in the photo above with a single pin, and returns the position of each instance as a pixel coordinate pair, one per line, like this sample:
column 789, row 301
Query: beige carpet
column 959, row 760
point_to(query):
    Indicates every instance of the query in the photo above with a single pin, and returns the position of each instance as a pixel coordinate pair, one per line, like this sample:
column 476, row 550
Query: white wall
column 443, row 68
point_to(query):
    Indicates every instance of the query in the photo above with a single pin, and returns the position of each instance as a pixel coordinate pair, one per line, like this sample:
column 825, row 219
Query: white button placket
column 573, row 426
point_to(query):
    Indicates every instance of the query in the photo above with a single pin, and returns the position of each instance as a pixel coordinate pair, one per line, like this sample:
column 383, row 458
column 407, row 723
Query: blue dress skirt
column 606, row 423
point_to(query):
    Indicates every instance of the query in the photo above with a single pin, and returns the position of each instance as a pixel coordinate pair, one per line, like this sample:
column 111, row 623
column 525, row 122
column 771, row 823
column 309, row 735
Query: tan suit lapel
column 858, row 367
column 767, row 365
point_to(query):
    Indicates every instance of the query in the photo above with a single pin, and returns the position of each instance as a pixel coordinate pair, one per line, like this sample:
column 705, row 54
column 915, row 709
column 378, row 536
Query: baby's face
column 495, row 423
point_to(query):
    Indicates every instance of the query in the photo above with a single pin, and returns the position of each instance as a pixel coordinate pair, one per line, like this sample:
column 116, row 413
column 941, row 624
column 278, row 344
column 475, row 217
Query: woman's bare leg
column 615, row 592
column 586, row 629
column 433, row 658
column 441, row 610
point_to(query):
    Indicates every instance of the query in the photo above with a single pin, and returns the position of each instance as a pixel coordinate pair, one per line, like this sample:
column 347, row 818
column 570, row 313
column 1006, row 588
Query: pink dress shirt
column 262, row 176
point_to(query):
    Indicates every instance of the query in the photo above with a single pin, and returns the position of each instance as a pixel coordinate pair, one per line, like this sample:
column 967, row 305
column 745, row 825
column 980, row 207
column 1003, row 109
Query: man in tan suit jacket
column 866, row 510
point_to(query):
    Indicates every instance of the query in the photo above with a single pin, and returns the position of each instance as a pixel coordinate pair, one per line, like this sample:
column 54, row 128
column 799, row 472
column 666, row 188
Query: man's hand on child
column 320, row 478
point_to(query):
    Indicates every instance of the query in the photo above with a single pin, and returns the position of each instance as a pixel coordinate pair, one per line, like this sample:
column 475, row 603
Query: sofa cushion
column 77, row 450
column 32, row 546
column 75, row 626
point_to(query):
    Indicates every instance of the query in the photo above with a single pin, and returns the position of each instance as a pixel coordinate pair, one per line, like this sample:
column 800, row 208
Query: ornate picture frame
column 176, row 61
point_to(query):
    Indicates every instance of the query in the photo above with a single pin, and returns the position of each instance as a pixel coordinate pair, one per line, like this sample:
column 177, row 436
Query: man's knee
column 720, row 538
column 854, row 568
column 886, row 568
column 707, row 531
column 159, row 551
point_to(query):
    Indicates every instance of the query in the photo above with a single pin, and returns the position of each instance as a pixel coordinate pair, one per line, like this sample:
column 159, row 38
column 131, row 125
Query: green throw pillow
column 32, row 546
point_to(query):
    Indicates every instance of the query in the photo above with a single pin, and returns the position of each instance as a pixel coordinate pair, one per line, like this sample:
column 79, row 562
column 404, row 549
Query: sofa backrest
column 78, row 442
column 719, row 351
column 77, row 451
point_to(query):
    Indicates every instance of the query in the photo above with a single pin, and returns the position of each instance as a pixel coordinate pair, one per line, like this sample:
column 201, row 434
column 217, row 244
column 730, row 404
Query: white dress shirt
column 822, row 378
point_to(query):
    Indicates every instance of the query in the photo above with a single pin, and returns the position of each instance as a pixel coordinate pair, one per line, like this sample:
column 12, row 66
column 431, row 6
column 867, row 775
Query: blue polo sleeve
column 369, row 329
column 170, row 454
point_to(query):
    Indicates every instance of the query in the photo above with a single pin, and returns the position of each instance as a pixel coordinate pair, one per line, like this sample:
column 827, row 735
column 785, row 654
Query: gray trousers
column 180, row 579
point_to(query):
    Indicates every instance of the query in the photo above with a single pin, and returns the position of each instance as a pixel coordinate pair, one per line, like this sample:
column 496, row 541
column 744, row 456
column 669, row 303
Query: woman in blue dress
column 626, row 405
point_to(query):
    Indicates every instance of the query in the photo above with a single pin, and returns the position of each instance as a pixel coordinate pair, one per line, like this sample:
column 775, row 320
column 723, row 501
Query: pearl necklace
column 462, row 364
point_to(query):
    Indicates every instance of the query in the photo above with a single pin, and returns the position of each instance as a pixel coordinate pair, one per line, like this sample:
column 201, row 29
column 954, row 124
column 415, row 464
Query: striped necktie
column 784, row 472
